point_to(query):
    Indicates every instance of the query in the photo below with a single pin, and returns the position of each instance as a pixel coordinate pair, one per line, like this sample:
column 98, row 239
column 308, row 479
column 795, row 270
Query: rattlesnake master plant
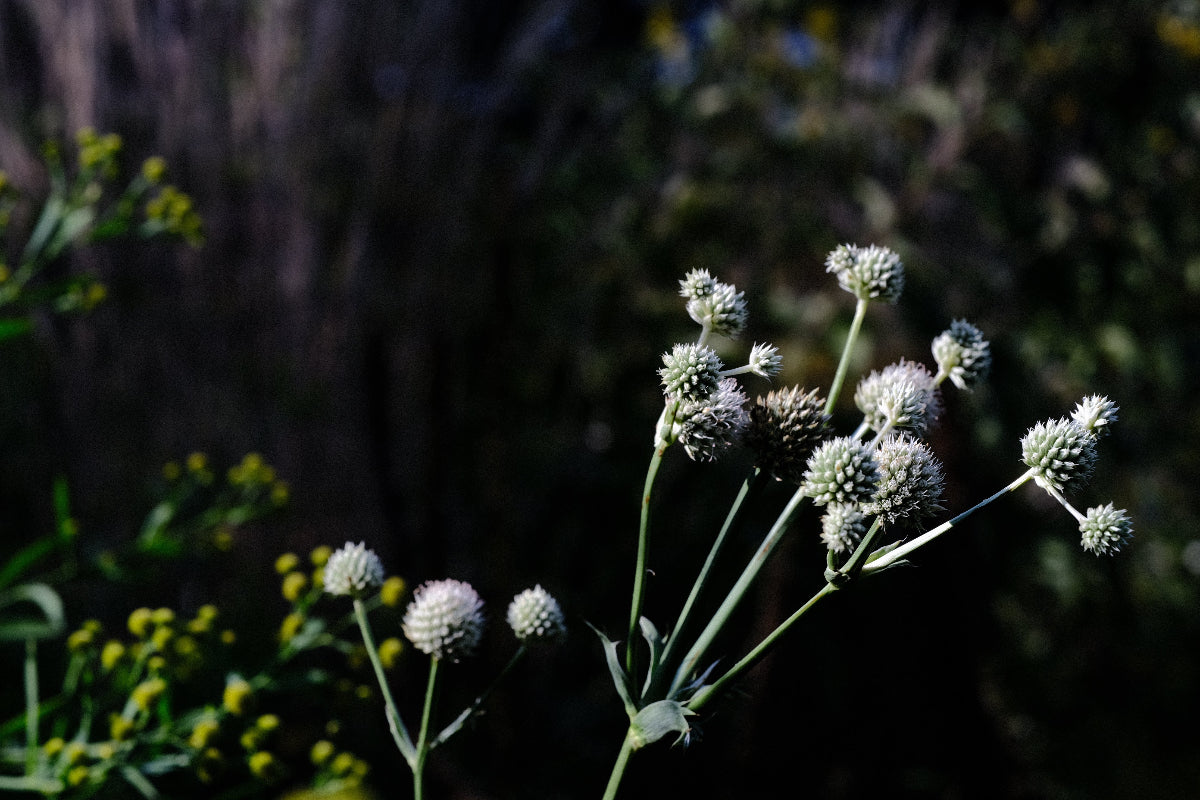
column 875, row 485
column 444, row 620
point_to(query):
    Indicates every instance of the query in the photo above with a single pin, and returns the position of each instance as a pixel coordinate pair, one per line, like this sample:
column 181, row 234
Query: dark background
column 442, row 246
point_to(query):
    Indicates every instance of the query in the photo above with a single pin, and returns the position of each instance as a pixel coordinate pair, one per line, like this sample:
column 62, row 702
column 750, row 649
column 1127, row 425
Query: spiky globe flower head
column 842, row 527
column 534, row 615
column 709, row 426
column 444, row 619
column 690, row 372
column 765, row 360
column 901, row 396
column 911, row 480
column 962, row 354
column 696, row 284
column 1105, row 529
column 1059, row 451
column 868, row 273
column 352, row 570
column 1095, row 414
column 841, row 470
column 783, row 429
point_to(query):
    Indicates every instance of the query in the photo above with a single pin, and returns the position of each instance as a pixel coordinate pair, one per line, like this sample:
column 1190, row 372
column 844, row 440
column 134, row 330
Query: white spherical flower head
column 842, row 527
column 901, row 396
column 708, row 427
column 1059, row 451
column 534, row 615
column 690, row 372
column 962, row 354
column 696, row 284
column 868, row 273
column 722, row 310
column 1096, row 414
column 841, row 470
column 1105, row 529
column 910, row 480
column 353, row 570
column 444, row 619
column 765, row 360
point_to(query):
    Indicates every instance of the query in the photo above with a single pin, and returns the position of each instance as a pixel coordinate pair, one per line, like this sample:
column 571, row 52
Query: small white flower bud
column 696, row 284
column 722, row 311
column 962, row 354
column 1105, row 529
column 691, row 372
column 535, row 615
column 352, row 569
column 842, row 527
column 1096, row 414
column 902, row 396
column 841, row 470
column 869, row 273
column 910, row 480
column 1058, row 451
column 765, row 360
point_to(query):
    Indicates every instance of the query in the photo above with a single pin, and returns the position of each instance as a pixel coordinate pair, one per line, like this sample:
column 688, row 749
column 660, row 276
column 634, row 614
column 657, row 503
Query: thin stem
column 639, row 575
column 423, row 745
column 860, row 312
column 750, row 489
column 900, row 552
column 754, row 656
column 1064, row 502
column 399, row 732
column 454, row 726
column 31, row 705
column 688, row 667
column 618, row 771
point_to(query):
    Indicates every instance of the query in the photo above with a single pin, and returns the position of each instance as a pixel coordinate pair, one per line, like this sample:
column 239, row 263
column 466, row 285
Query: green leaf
column 655, row 642
column 657, row 720
column 620, row 679
column 44, row 620
column 14, row 327
column 24, row 559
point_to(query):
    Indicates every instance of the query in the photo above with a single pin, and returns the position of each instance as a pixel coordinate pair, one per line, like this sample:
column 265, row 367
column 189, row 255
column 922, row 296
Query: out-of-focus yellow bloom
column 294, row 584
column 237, row 696
column 286, row 563
column 390, row 650
column 392, row 591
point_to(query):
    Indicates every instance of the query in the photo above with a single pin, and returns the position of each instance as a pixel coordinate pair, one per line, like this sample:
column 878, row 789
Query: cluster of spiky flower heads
column 444, row 619
column 534, row 615
column 352, row 570
column 717, row 307
column 869, row 273
column 690, row 372
column 709, row 426
column 1105, row 529
column 911, row 480
column 783, row 429
column 901, row 397
column 1059, row 451
column 962, row 354
column 841, row 470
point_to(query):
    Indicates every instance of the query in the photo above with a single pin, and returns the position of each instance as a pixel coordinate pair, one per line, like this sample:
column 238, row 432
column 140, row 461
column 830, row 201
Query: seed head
column 1095, row 414
column 535, row 615
column 910, row 483
column 1105, row 529
column 842, row 527
column 784, row 427
column 710, row 426
column 1059, row 451
column 868, row 273
column 352, row 570
column 690, row 372
column 902, row 395
column 841, row 470
column 444, row 619
column 963, row 354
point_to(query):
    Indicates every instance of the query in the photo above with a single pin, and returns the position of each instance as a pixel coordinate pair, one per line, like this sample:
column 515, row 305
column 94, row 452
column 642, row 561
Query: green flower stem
column 399, row 732
column 860, row 312
column 31, row 706
column 473, row 709
column 750, row 489
column 692, row 659
column 618, row 771
column 853, row 566
column 639, row 575
column 706, row 694
column 423, row 746
column 1064, row 502
column 900, row 552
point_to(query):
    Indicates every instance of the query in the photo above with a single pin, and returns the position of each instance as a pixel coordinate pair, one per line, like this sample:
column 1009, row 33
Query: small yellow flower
column 290, row 627
column 146, row 693
column 209, row 765
column 294, row 584
column 75, row 752
column 237, row 697
column 139, row 622
column 171, row 470
column 162, row 616
column 267, row 722
column 286, row 563
column 53, row 747
column 120, row 728
column 153, row 168
column 390, row 650
column 320, row 555
column 77, row 775
column 80, row 640
column 112, row 652
column 263, row 765
column 392, row 591
column 342, row 764
column 321, row 752
column 204, row 732
column 228, row 636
